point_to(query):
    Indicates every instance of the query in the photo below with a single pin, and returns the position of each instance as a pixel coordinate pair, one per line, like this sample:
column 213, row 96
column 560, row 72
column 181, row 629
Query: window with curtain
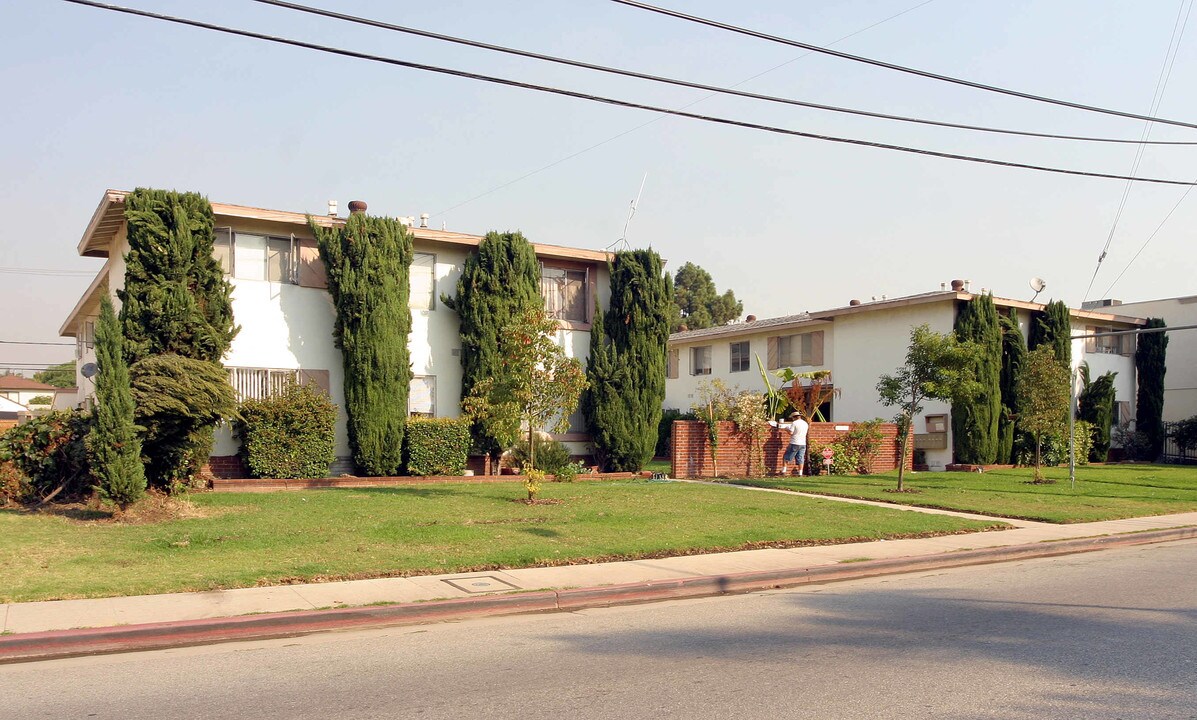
column 423, row 281
column 564, row 293
column 255, row 257
column 739, row 356
column 421, row 396
column 700, row 360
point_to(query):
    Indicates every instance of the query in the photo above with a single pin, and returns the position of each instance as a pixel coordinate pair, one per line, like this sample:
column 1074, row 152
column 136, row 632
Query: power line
column 1161, row 84
column 1145, row 242
column 606, row 100
column 893, row 66
column 44, row 271
column 694, row 85
column 659, row 118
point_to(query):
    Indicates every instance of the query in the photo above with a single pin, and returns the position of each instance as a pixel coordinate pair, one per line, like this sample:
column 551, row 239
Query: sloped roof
column 17, row 382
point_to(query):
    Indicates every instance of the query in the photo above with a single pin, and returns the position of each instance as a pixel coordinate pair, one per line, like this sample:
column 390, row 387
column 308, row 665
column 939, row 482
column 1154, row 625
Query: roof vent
column 750, row 318
column 853, row 302
column 957, row 285
column 424, row 219
column 332, row 208
column 357, row 206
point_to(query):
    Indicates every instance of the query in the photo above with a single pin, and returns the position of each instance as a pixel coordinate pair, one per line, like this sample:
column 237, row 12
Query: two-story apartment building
column 1180, row 381
column 281, row 302
column 861, row 341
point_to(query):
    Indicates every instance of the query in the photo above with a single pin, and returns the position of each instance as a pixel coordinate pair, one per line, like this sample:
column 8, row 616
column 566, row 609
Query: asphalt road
column 1110, row 634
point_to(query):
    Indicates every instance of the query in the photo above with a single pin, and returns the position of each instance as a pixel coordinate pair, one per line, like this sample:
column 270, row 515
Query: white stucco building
column 1180, row 380
column 281, row 302
column 858, row 343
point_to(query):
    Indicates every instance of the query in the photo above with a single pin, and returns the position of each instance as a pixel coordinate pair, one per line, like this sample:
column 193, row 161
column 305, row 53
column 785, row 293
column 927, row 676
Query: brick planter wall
column 226, row 466
column 692, row 451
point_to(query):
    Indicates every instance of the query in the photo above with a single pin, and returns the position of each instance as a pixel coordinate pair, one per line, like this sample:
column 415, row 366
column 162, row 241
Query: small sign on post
column 828, row 453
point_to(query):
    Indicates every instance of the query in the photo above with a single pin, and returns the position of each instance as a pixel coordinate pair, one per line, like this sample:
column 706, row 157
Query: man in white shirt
column 796, row 452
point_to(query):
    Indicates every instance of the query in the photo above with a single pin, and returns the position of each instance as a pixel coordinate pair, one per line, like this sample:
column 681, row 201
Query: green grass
column 658, row 466
column 1103, row 492
column 261, row 539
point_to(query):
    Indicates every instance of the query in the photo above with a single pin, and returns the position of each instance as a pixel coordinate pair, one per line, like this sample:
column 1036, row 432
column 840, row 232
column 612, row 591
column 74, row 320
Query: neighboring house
column 66, row 399
column 24, row 391
column 858, row 343
column 11, row 413
column 1180, row 381
column 281, row 302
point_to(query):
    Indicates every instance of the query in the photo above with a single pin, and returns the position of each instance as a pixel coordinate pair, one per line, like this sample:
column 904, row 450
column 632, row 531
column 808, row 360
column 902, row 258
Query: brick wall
column 226, row 466
column 692, row 451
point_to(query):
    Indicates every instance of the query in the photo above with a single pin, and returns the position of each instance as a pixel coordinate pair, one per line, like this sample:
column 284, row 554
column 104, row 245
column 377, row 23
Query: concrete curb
column 30, row 647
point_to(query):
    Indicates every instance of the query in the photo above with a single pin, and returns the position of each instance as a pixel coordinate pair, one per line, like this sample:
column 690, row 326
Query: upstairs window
column 739, row 356
column 247, row 256
column 805, row 349
column 564, row 292
column 700, row 360
column 423, row 281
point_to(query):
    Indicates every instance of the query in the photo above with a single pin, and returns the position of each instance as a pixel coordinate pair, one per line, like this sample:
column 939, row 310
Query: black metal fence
column 1174, row 452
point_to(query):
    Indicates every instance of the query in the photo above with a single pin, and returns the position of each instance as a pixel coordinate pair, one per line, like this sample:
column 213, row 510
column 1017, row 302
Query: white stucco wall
column 1180, row 381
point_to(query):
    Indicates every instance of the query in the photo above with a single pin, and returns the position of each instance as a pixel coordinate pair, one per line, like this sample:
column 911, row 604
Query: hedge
column 436, row 446
column 290, row 434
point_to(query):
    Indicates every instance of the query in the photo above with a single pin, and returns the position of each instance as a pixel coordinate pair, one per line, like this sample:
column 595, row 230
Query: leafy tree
column 113, row 446
column 1150, row 356
column 937, row 368
column 1096, row 405
column 368, row 263
column 626, row 368
column 176, row 302
column 1043, row 398
column 1013, row 354
column 499, row 283
column 177, row 400
column 1053, row 326
column 975, row 416
column 61, row 375
column 538, row 389
column 699, row 304
column 176, row 298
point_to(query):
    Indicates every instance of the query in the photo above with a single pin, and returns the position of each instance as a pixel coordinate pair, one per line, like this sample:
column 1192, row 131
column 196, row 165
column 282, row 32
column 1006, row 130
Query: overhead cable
column 895, row 67
column 609, row 101
column 694, row 85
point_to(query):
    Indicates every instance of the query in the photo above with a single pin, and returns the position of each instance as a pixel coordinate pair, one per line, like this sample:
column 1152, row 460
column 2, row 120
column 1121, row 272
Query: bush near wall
column 436, row 446
column 49, row 451
column 288, row 435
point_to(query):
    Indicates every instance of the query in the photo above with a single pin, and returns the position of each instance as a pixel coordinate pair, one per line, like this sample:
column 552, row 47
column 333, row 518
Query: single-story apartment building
column 859, row 342
column 280, row 300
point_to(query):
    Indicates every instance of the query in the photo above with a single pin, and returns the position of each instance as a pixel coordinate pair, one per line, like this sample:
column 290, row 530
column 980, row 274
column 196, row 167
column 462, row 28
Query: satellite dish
column 1037, row 284
column 89, row 370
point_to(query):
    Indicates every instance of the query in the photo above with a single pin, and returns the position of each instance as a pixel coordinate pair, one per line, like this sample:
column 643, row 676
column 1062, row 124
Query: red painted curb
column 28, row 647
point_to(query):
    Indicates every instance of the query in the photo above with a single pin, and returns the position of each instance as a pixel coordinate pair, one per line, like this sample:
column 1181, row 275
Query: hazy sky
column 98, row 100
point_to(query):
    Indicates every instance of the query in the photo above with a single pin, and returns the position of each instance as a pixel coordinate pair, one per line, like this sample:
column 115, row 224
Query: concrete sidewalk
column 40, row 630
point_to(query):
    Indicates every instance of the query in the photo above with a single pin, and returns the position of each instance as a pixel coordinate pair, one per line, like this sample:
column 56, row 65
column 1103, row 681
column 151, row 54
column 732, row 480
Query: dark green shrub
column 550, row 455
column 665, row 430
column 1055, row 450
column 1184, row 434
column 437, row 446
column 114, row 449
column 288, row 435
column 49, row 451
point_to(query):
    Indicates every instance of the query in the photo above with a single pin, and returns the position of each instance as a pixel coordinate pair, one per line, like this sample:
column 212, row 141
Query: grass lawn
column 261, row 539
column 658, row 466
column 1103, row 492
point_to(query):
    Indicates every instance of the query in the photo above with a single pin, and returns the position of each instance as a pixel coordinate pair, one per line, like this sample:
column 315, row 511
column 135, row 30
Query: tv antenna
column 623, row 238
column 89, row 370
column 1037, row 284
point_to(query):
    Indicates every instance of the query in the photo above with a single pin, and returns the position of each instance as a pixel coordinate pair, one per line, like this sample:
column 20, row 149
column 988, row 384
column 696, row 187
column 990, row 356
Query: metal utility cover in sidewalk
column 481, row 584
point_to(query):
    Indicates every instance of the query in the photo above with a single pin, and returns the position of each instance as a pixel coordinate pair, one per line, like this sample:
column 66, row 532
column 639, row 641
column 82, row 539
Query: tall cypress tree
column 626, row 369
column 177, row 302
column 1053, row 327
column 1150, row 356
column 1097, row 404
column 368, row 262
column 1013, row 353
column 975, row 418
column 498, row 284
column 113, row 446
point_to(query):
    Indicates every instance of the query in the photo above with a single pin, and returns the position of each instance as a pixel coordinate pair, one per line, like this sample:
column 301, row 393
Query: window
column 671, row 364
column 89, row 334
column 421, row 396
column 423, row 281
column 739, row 356
column 700, row 360
column 256, row 257
column 258, row 383
column 564, row 291
column 796, row 350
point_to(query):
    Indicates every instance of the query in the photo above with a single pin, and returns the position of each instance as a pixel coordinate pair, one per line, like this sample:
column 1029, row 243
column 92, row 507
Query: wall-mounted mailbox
column 937, row 423
column 931, row 441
